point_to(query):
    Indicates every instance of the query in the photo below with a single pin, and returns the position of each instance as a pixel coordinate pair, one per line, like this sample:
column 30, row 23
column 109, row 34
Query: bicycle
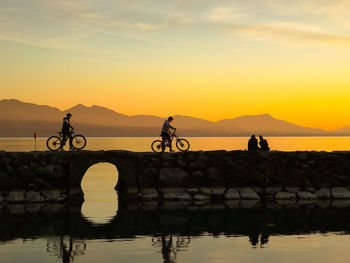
column 55, row 143
column 182, row 144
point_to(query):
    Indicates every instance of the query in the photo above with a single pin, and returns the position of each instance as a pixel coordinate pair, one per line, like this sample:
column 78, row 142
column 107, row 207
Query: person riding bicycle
column 67, row 130
column 166, row 133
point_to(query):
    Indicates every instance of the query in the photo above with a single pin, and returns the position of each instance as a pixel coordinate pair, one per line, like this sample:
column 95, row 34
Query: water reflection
column 65, row 248
column 170, row 246
column 172, row 231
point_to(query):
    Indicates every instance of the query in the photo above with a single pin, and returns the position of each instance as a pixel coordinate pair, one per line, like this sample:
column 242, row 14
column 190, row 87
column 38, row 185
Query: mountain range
column 21, row 119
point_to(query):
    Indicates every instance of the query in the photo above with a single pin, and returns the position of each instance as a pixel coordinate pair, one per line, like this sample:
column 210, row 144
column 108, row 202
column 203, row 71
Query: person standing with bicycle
column 166, row 133
column 67, row 131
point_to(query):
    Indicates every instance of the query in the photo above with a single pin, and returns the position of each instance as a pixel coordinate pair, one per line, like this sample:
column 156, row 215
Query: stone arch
column 125, row 164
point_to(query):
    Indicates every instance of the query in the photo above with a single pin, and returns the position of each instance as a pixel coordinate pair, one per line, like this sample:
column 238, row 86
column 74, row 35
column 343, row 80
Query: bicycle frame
column 172, row 136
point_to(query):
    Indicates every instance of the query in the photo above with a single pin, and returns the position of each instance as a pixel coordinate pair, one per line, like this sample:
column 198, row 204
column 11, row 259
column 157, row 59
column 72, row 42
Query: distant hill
column 19, row 118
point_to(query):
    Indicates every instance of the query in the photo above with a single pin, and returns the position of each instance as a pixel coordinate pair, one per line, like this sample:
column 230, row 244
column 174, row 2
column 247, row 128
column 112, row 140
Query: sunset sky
column 205, row 58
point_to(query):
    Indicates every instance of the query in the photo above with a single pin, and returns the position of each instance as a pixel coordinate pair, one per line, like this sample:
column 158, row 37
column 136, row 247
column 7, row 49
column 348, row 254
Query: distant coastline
column 22, row 119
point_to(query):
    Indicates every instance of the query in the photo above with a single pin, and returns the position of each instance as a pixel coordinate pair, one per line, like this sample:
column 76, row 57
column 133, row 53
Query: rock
column 218, row 191
column 149, row 193
column 205, row 190
column 184, row 197
column 213, row 175
column 272, row 190
column 192, row 191
column 285, row 196
column 16, row 196
column 32, row 187
column 323, row 193
column 51, row 195
column 51, row 170
column 198, row 177
column 232, row 194
column 201, row 197
column 33, row 196
column 258, row 190
column 173, row 177
column 292, row 189
column 248, row 193
column 306, row 195
column 340, row 193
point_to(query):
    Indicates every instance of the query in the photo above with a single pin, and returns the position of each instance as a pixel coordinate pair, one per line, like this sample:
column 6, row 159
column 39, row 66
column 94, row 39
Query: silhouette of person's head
column 170, row 119
column 261, row 138
column 253, row 136
column 69, row 115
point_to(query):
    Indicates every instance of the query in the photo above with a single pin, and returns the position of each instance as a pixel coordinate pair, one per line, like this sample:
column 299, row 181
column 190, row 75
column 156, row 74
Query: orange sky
column 210, row 60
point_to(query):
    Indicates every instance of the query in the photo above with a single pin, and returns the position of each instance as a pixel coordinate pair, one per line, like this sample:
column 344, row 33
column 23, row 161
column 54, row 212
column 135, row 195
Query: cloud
column 224, row 14
column 294, row 34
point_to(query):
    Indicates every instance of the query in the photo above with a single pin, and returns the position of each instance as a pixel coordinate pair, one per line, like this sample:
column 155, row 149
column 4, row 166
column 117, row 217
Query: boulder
column 272, row 190
column 16, row 196
column 292, row 189
column 192, row 191
column 285, row 196
column 201, row 197
column 173, row 177
column 323, row 193
column 249, row 194
column 33, row 196
column 306, row 195
column 232, row 194
column 205, row 190
column 149, row 193
column 218, row 191
column 51, row 195
column 340, row 193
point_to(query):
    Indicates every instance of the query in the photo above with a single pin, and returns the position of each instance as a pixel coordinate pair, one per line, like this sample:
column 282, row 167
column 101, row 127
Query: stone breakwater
column 191, row 176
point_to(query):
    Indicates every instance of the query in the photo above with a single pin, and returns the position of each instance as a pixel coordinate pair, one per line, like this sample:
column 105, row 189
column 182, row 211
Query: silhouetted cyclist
column 264, row 146
column 66, row 130
column 253, row 144
column 165, row 133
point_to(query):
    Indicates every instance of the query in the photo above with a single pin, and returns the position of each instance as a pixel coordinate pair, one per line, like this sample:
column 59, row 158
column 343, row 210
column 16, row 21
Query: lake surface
column 103, row 229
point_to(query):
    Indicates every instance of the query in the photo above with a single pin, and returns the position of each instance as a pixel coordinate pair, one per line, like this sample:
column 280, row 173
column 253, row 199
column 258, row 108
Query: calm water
column 103, row 229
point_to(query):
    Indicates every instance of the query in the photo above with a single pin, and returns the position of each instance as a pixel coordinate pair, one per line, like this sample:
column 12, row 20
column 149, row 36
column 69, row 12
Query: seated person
column 253, row 144
column 264, row 146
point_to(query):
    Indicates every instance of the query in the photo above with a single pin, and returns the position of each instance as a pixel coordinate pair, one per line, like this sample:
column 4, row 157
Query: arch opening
column 100, row 197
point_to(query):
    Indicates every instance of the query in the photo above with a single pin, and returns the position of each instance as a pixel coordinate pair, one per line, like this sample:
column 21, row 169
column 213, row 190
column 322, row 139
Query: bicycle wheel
column 183, row 145
column 157, row 146
column 78, row 142
column 54, row 143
